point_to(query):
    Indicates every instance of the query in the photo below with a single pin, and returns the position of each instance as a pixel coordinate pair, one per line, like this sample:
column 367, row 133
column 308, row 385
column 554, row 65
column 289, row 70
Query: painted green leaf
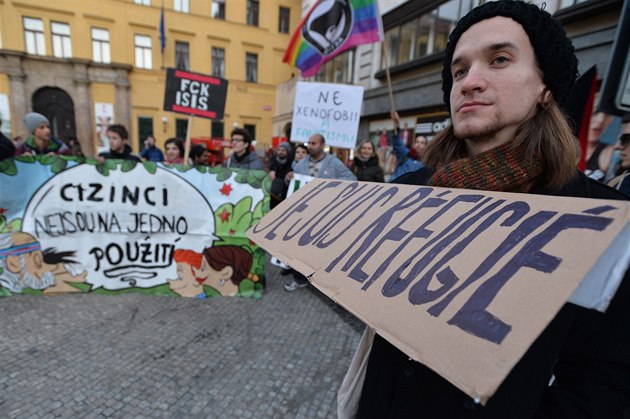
column 26, row 159
column 215, row 170
column 200, row 169
column 5, row 292
column 246, row 288
column 211, row 292
column 8, row 167
column 58, row 165
column 224, row 175
column 241, row 177
column 12, row 226
column 150, row 166
column 92, row 161
column 266, row 185
column 111, row 164
column 48, row 160
column 128, row 165
column 102, row 169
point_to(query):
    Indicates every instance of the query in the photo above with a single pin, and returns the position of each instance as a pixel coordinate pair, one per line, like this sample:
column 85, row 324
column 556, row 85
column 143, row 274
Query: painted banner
column 195, row 94
column 121, row 226
column 332, row 110
column 462, row 281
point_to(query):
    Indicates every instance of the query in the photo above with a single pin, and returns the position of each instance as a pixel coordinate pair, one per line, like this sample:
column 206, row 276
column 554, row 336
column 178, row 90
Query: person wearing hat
column 278, row 170
column 242, row 156
column 41, row 141
column 508, row 66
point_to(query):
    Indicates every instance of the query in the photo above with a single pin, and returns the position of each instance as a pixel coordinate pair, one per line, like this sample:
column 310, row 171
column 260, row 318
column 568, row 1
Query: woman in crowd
column 300, row 152
column 174, row 150
column 365, row 165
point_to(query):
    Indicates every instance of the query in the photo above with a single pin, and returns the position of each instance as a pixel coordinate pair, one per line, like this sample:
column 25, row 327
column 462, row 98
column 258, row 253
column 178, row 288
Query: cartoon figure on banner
column 187, row 283
column 224, row 267
column 24, row 265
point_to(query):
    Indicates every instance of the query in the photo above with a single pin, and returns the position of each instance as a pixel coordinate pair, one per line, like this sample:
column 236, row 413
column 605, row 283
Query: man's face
column 239, row 145
column 315, row 146
column 42, row 132
column 623, row 145
column 115, row 142
column 282, row 153
column 202, row 158
column 150, row 141
column 496, row 83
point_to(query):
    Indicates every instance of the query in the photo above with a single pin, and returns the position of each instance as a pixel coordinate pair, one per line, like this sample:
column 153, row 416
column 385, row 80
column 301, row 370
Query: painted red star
column 2, row 210
column 225, row 216
column 226, row 189
column 232, row 232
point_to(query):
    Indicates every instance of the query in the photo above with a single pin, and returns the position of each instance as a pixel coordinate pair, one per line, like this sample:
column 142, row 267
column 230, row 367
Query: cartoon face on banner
column 132, row 222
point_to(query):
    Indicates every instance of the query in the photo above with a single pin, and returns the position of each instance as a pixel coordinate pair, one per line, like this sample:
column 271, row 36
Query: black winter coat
column 368, row 171
column 588, row 352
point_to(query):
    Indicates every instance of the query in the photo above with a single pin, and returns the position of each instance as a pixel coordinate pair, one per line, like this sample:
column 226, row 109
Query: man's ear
column 13, row 264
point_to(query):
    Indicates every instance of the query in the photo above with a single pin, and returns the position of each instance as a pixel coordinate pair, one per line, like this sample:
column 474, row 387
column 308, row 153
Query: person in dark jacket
column 242, row 156
column 281, row 165
column 508, row 66
column 151, row 152
column 117, row 135
column 365, row 165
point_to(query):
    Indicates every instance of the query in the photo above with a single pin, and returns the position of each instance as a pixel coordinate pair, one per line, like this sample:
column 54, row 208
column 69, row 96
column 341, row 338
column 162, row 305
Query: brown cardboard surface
column 462, row 281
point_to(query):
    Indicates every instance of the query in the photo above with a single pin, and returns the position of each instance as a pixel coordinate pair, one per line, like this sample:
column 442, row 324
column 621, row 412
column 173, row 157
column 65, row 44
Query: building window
column 145, row 128
column 143, row 2
column 181, row 126
column 100, row 46
column 251, row 129
column 338, row 70
column 181, row 6
column 34, row 36
column 218, row 62
column 252, row 12
column 143, row 52
column 61, row 44
column 218, row 9
column 182, row 61
column 218, row 128
column 251, row 67
column 283, row 20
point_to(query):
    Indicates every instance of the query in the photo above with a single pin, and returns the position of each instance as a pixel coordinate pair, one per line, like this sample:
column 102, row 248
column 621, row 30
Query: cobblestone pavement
column 141, row 356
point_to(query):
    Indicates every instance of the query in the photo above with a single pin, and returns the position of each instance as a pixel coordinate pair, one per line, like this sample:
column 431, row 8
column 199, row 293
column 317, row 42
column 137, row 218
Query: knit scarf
column 503, row 168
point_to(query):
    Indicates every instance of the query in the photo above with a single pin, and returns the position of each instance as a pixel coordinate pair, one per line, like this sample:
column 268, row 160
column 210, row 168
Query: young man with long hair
column 508, row 66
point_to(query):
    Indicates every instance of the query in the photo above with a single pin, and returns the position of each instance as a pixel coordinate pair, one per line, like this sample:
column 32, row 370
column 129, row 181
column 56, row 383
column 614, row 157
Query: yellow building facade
column 87, row 63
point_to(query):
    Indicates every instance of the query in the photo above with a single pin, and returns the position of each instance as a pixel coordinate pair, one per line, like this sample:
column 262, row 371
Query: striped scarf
column 502, row 168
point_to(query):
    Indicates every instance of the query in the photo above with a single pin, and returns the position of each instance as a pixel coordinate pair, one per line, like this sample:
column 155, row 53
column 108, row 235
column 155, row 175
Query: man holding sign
column 508, row 67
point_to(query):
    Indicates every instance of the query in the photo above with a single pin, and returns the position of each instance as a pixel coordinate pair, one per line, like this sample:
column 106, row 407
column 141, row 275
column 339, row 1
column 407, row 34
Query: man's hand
column 396, row 119
column 272, row 175
column 289, row 176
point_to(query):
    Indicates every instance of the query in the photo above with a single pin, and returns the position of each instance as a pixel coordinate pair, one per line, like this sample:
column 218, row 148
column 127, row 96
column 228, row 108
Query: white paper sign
column 332, row 110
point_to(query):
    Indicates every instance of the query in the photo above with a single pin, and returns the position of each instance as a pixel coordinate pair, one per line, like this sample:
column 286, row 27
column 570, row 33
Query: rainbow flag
column 329, row 28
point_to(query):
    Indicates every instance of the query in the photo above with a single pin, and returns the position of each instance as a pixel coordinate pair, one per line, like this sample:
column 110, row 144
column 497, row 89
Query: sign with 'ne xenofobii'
column 195, row 94
column 463, row 281
column 332, row 110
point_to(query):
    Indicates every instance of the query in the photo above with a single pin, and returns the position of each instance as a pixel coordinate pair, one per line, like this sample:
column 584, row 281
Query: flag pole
column 187, row 143
column 389, row 79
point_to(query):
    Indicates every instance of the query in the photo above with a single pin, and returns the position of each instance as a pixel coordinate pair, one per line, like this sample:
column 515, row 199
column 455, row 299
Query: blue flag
column 162, row 31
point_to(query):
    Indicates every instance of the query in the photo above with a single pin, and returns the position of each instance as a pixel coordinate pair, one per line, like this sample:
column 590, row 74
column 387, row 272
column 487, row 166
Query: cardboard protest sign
column 195, row 94
column 332, row 110
column 462, row 281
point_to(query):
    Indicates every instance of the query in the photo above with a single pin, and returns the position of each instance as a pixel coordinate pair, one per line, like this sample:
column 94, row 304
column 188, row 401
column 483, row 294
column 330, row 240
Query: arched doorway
column 58, row 107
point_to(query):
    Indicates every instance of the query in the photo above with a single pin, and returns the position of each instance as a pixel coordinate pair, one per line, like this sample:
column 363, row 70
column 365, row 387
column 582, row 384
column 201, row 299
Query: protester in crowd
column 117, row 135
column 407, row 160
column 508, row 66
column 278, row 170
column 318, row 164
column 151, row 152
column 365, row 164
column 242, row 156
column 598, row 154
column 300, row 152
column 199, row 155
column 7, row 148
column 622, row 181
column 41, row 141
column 406, row 135
column 174, row 151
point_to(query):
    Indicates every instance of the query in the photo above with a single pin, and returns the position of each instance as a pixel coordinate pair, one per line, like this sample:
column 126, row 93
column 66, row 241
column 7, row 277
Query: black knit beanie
column 554, row 51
